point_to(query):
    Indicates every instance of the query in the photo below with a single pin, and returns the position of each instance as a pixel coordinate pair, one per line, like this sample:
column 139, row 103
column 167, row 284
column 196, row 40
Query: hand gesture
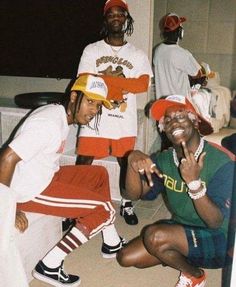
column 118, row 72
column 21, row 222
column 189, row 167
column 141, row 163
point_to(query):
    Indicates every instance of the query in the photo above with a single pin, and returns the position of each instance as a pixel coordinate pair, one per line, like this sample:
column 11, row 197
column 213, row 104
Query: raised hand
column 141, row 163
column 190, row 168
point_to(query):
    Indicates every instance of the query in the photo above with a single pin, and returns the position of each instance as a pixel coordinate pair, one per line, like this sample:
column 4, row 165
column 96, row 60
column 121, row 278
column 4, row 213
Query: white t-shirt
column 99, row 56
column 172, row 65
column 39, row 142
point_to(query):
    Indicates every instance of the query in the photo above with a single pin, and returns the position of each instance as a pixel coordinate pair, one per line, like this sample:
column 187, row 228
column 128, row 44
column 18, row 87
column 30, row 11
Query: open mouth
column 177, row 132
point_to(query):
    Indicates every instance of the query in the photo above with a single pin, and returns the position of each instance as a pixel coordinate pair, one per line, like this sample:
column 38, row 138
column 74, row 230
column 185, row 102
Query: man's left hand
column 21, row 222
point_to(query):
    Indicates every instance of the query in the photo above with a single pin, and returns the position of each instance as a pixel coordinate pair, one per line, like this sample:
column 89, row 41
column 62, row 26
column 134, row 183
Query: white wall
column 142, row 13
column 210, row 32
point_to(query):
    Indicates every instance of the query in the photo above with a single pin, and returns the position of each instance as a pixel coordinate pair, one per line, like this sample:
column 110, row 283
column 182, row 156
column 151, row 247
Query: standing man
column 197, row 179
column 127, row 71
column 173, row 65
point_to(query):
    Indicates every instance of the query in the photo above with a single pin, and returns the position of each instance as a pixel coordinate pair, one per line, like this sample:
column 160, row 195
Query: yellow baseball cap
column 94, row 88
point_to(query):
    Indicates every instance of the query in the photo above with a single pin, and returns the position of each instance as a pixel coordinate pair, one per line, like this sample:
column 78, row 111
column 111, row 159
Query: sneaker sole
column 108, row 256
column 40, row 277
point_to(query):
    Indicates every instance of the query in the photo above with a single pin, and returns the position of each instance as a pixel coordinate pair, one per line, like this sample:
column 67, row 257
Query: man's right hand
column 21, row 222
column 140, row 162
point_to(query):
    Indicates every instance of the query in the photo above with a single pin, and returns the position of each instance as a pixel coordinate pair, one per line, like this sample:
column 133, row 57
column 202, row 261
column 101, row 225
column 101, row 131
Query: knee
column 123, row 258
column 155, row 238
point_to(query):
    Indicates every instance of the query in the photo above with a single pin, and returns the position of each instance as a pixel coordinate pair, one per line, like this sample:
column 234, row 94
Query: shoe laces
column 63, row 273
column 184, row 281
column 129, row 210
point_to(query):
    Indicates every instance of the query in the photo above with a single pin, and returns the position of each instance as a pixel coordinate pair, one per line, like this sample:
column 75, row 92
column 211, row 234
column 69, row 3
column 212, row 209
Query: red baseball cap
column 111, row 3
column 159, row 107
column 170, row 22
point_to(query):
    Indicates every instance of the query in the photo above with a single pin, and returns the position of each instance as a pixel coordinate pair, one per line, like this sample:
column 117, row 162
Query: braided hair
column 129, row 29
column 77, row 105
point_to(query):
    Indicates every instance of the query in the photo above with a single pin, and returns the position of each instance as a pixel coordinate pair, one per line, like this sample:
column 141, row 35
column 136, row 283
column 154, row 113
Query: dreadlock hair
column 96, row 121
column 128, row 30
column 77, row 105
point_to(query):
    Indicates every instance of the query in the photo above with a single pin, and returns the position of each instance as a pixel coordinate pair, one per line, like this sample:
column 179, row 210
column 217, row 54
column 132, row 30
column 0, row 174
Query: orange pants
column 102, row 147
column 80, row 192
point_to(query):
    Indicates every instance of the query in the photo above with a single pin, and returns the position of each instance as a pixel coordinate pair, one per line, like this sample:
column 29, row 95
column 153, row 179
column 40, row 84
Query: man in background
column 173, row 65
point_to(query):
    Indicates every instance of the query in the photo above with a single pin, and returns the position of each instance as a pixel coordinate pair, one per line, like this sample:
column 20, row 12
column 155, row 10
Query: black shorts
column 207, row 247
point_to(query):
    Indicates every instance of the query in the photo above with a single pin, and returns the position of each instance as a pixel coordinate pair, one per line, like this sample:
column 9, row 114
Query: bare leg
column 127, row 210
column 135, row 254
column 169, row 244
column 122, row 161
column 84, row 159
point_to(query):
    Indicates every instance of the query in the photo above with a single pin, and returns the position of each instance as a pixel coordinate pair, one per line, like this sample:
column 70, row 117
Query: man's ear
column 196, row 123
column 70, row 107
column 73, row 96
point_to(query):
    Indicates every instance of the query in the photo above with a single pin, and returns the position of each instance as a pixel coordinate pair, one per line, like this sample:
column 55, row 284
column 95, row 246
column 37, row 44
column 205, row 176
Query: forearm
column 208, row 211
column 133, row 185
column 8, row 161
column 133, row 85
column 201, row 73
column 6, row 172
column 140, row 166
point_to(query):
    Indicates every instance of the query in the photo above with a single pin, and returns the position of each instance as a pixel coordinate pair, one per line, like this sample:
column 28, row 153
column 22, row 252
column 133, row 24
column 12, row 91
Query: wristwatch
column 195, row 184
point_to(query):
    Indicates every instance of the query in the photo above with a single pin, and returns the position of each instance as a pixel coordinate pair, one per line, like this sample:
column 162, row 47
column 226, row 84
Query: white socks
column 110, row 235
column 54, row 257
column 123, row 201
column 71, row 241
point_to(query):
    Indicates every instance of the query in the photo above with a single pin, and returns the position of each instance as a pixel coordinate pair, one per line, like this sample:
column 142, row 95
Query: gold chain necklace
column 115, row 49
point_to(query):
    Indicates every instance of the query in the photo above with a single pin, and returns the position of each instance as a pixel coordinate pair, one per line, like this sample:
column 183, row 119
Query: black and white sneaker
column 127, row 211
column 110, row 251
column 55, row 276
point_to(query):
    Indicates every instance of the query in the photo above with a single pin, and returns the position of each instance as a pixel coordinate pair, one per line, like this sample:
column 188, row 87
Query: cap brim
column 159, row 108
column 182, row 19
column 96, row 97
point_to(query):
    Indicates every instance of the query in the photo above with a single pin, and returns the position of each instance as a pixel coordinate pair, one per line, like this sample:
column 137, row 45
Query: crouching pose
column 29, row 166
column 197, row 178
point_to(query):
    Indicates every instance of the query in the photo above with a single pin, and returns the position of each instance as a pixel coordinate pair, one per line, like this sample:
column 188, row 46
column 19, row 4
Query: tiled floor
column 98, row 272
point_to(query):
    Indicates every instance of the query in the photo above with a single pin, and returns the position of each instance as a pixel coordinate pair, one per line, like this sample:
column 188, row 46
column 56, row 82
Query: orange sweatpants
column 80, row 192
